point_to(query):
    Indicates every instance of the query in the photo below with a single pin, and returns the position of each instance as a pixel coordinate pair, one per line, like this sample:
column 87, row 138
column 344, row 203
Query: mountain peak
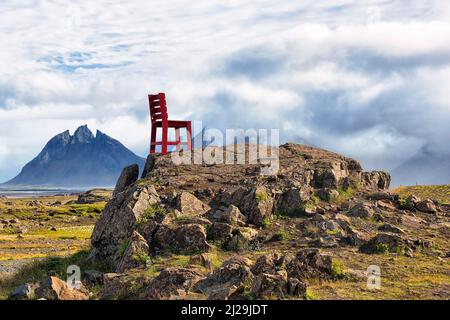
column 82, row 134
column 80, row 160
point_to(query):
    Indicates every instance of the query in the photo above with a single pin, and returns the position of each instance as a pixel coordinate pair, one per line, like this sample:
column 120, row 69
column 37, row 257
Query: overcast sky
column 369, row 79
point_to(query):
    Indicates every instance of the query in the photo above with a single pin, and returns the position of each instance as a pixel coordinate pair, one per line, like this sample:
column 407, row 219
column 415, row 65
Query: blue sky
column 370, row 79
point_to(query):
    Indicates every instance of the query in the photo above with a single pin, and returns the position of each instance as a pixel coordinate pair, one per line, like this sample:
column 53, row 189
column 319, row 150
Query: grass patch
column 52, row 266
column 439, row 193
column 153, row 211
column 261, row 196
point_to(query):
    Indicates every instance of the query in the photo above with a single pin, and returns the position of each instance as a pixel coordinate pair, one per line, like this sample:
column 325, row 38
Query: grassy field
column 439, row 193
column 40, row 235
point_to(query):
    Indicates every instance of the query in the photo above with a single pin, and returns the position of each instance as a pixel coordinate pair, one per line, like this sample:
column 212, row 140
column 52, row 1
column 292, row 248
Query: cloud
column 366, row 78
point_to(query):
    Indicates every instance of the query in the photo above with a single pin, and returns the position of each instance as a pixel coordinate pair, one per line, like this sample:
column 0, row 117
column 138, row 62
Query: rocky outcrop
column 427, row 206
column 233, row 273
column 189, row 209
column 135, row 253
column 118, row 221
column 188, row 239
column 128, row 176
column 171, row 284
column 376, row 180
column 53, row 288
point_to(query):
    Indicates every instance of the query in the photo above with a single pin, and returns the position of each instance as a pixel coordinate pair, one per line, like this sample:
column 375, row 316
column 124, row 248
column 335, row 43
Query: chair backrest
column 158, row 108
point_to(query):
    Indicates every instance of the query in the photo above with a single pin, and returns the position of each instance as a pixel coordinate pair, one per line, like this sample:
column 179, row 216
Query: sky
column 368, row 79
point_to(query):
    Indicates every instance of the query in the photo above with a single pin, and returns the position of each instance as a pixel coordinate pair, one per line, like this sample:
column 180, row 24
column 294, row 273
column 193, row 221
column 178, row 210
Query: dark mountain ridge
column 80, row 160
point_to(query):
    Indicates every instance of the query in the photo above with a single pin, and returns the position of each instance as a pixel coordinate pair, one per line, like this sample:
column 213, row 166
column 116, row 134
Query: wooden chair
column 159, row 119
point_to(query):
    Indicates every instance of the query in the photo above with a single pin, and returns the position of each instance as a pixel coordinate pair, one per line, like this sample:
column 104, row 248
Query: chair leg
column 178, row 139
column 164, row 139
column 153, row 140
column 189, row 136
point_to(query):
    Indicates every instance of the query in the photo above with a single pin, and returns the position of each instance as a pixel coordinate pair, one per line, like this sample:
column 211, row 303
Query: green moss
column 280, row 236
column 261, row 196
column 141, row 257
column 266, row 222
column 153, row 211
column 311, row 295
column 381, row 248
column 344, row 195
column 337, row 270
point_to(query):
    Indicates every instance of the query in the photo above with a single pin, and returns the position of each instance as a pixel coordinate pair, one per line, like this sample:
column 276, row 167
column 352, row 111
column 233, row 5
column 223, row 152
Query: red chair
column 159, row 118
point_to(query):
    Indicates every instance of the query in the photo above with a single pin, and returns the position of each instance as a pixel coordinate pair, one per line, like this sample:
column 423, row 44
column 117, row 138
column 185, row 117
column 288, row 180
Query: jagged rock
column 333, row 177
column 270, row 285
column 233, row 272
column 241, row 238
column 220, row 231
column 188, row 204
column 362, row 210
column 390, row 228
column 117, row 286
column 343, row 221
column 356, row 238
column 383, row 196
column 224, row 293
column 297, row 288
column 385, row 242
column 23, row 292
column 128, row 176
column 93, row 196
column 135, row 254
column 231, row 215
column 53, row 288
column 257, row 205
column 426, row 206
column 93, row 277
column 411, row 202
column 203, row 259
column 385, row 205
column 171, row 284
column 292, row 199
column 268, row 263
column 376, row 180
column 309, row 263
column 119, row 219
column 149, row 165
column 190, row 238
column 327, row 194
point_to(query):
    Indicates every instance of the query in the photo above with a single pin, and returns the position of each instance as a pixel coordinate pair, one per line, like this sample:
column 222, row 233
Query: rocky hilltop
column 204, row 231
column 78, row 160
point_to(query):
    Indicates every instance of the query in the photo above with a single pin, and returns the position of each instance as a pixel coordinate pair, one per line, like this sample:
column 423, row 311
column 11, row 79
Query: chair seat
column 172, row 123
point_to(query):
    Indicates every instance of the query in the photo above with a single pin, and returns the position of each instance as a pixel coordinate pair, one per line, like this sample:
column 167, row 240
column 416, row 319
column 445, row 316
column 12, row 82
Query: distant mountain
column 425, row 168
column 81, row 160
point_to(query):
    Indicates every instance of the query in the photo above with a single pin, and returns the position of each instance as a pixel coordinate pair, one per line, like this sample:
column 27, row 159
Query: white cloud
column 333, row 73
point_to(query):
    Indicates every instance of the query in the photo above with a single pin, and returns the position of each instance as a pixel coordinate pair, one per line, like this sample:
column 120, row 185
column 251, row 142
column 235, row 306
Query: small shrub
column 153, row 211
column 261, row 196
column 280, row 236
column 141, row 257
column 337, row 270
column 310, row 295
column 266, row 222
column 381, row 248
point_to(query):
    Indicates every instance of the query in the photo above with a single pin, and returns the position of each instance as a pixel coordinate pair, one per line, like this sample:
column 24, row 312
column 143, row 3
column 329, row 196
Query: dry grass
column 439, row 193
